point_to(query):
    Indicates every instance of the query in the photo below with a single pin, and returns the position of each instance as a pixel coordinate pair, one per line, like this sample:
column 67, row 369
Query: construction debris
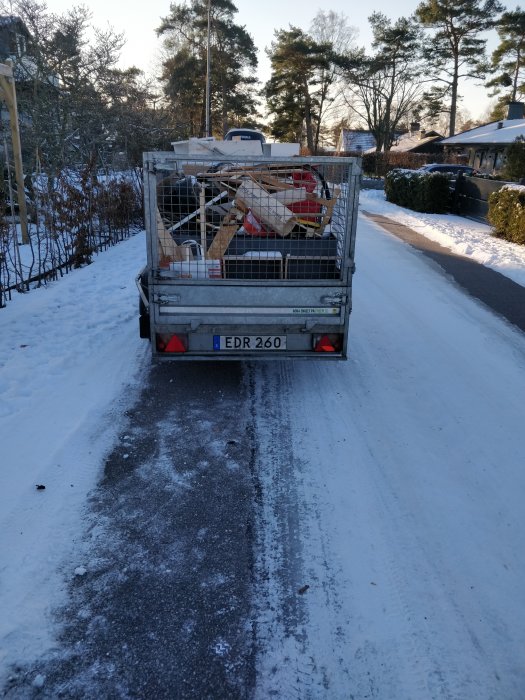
column 275, row 199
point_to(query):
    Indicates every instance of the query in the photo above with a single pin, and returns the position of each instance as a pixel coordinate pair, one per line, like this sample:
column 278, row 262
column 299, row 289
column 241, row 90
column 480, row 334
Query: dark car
column 447, row 168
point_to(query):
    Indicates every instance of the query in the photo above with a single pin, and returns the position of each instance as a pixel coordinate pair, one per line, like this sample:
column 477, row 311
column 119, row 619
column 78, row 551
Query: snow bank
column 462, row 236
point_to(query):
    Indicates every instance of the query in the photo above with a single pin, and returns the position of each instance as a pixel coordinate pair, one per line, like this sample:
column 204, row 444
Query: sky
column 420, row 522
column 139, row 21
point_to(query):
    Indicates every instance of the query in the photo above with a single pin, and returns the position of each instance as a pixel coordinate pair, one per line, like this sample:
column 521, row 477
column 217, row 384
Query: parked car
column 447, row 168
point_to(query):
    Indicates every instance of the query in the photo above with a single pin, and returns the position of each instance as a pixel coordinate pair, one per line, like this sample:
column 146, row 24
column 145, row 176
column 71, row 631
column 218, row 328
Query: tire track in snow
column 406, row 475
column 284, row 668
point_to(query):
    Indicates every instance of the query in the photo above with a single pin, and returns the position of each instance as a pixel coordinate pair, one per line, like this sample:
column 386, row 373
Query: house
column 15, row 46
column 486, row 144
column 354, row 140
column 14, row 37
column 418, row 141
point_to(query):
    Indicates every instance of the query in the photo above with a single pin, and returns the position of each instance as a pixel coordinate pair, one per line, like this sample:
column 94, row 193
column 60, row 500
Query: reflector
column 175, row 344
column 324, row 344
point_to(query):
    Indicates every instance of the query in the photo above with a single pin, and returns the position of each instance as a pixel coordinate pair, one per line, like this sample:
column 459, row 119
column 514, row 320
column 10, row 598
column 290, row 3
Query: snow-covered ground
column 412, row 485
column 460, row 235
column 68, row 353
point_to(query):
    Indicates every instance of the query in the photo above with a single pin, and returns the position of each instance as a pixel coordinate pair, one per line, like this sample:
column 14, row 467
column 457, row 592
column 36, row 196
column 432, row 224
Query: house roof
column 361, row 140
column 356, row 140
column 413, row 140
column 495, row 133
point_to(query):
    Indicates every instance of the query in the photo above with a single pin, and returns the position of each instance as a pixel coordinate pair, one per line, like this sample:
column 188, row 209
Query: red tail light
column 173, row 343
column 328, row 343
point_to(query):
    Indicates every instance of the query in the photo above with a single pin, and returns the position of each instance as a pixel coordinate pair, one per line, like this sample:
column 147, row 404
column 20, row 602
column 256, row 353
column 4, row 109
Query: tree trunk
column 308, row 118
column 454, row 98
column 515, row 78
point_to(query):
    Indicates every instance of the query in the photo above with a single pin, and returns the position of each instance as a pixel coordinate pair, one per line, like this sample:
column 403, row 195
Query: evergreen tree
column 233, row 62
column 292, row 92
column 515, row 160
column 508, row 59
column 455, row 49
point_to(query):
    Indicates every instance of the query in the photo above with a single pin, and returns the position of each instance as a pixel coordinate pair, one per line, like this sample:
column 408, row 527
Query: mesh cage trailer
column 248, row 257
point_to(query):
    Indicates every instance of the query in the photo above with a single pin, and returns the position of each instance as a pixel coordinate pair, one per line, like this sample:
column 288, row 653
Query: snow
column 68, row 351
column 492, row 133
column 409, row 470
column 462, row 236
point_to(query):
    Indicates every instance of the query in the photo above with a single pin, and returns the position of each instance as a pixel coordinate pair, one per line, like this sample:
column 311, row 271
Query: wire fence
column 282, row 219
column 72, row 216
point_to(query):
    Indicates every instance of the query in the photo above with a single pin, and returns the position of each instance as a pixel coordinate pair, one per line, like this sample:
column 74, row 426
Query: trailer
column 248, row 256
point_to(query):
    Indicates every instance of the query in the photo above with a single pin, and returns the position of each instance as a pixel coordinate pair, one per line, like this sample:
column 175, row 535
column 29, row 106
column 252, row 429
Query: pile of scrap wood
column 270, row 200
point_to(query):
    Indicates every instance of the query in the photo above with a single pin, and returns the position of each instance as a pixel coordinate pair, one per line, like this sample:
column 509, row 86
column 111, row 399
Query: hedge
column 507, row 213
column 424, row 192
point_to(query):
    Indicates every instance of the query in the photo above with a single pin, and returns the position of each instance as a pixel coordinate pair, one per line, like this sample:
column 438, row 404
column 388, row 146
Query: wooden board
column 167, row 247
column 223, row 237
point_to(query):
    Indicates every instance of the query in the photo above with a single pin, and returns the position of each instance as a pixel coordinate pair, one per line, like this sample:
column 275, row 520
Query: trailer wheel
column 144, row 325
column 144, row 328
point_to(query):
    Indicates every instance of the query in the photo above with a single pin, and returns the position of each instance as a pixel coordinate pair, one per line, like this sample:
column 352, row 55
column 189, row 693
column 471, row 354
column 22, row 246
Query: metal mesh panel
column 252, row 219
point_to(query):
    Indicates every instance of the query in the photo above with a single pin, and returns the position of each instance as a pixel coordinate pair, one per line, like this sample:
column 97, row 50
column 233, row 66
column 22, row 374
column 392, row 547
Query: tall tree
column 331, row 28
column 456, row 50
column 508, row 59
column 385, row 87
column 58, row 78
column 75, row 103
column 233, row 62
column 292, row 93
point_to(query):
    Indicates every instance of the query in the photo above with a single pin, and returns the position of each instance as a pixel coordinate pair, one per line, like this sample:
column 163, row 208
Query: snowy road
column 378, row 548
column 408, row 496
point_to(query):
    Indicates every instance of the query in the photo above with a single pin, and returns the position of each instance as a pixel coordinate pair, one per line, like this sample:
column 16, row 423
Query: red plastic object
column 304, row 178
column 253, row 226
column 306, row 209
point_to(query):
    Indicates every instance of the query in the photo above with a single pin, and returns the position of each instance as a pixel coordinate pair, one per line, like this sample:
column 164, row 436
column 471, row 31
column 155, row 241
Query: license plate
column 249, row 342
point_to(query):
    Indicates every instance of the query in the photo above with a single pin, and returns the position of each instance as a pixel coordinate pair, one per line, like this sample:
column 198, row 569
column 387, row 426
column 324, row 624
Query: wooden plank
column 329, row 208
column 202, row 218
column 223, row 237
column 269, row 169
column 272, row 182
column 167, row 247
column 6, row 70
column 8, row 90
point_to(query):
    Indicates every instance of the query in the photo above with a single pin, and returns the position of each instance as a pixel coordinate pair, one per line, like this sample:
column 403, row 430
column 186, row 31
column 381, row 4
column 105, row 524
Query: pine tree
column 456, row 49
column 515, row 160
column 291, row 92
column 233, row 63
column 508, row 59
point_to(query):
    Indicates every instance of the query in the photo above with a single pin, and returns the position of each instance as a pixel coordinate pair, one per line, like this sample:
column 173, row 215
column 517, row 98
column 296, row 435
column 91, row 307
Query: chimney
column 500, row 125
column 422, row 133
column 414, row 126
column 516, row 110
